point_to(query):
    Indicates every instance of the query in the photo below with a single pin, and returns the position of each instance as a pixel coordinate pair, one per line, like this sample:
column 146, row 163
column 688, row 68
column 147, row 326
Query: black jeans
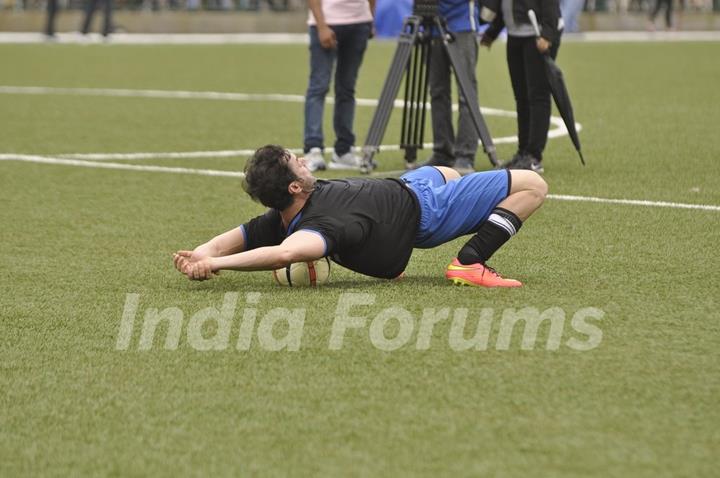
column 668, row 11
column 52, row 9
column 532, row 93
column 90, row 11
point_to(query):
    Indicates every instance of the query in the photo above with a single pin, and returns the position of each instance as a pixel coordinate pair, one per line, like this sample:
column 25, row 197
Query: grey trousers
column 447, row 147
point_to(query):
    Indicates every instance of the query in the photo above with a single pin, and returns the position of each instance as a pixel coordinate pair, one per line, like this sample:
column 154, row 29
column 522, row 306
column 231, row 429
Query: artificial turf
column 76, row 241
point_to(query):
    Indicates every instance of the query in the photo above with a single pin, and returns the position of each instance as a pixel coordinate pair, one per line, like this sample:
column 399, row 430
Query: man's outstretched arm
column 301, row 246
column 230, row 242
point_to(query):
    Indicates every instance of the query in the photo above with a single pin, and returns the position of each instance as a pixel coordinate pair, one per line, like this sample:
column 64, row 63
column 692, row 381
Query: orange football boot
column 477, row 275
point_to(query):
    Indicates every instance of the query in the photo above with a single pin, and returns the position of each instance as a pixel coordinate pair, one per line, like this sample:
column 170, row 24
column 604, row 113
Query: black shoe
column 524, row 161
column 536, row 165
column 435, row 161
column 518, row 161
column 464, row 166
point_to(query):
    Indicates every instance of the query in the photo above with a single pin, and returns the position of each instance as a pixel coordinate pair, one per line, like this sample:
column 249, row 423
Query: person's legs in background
column 669, row 14
column 466, row 141
column 532, row 97
column 571, row 10
column 518, row 79
column 89, row 12
column 653, row 14
column 52, row 8
column 441, row 106
column 321, row 65
column 539, row 97
column 352, row 41
column 107, row 23
column 565, row 12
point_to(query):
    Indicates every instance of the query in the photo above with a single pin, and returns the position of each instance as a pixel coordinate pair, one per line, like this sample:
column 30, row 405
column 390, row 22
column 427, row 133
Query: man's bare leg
column 527, row 193
column 449, row 173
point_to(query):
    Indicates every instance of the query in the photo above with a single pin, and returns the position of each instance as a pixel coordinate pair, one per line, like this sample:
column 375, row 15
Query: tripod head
column 426, row 8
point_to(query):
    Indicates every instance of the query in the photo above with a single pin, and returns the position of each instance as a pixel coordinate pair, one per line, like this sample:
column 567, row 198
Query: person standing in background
column 339, row 31
column 527, row 69
column 52, row 8
column 668, row 14
column 90, row 11
column 570, row 10
column 456, row 151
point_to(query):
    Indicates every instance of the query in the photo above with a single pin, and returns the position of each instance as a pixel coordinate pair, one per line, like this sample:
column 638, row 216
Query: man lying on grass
column 370, row 225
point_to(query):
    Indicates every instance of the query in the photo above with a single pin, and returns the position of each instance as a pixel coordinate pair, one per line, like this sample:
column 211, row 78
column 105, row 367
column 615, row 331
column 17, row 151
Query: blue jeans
column 570, row 10
column 351, row 43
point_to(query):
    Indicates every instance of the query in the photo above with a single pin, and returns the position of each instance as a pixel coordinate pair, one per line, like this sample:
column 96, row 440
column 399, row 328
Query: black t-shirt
column 369, row 225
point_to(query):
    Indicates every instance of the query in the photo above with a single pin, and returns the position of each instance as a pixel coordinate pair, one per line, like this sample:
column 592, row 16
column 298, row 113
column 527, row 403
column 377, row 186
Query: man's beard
column 308, row 185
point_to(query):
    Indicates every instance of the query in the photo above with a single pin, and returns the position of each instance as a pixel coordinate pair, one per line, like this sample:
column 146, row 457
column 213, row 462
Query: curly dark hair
column 267, row 176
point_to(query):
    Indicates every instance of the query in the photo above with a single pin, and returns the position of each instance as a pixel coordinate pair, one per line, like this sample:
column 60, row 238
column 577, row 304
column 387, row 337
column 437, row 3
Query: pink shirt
column 343, row 12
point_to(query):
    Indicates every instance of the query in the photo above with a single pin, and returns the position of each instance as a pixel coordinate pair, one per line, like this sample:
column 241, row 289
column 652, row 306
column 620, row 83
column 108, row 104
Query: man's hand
column 200, row 270
column 327, row 37
column 183, row 259
column 486, row 41
column 194, row 266
column 542, row 45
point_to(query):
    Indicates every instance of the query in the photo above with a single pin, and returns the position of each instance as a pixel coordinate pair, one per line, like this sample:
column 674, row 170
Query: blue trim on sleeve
column 293, row 223
column 319, row 234
column 244, row 233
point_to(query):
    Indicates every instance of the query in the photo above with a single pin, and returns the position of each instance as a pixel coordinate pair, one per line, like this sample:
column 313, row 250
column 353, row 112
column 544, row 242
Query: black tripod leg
column 408, row 140
column 390, row 90
column 425, row 87
column 413, row 126
column 463, row 78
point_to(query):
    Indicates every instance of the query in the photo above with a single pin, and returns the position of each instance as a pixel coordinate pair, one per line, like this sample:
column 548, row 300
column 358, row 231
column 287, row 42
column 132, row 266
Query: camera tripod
column 412, row 60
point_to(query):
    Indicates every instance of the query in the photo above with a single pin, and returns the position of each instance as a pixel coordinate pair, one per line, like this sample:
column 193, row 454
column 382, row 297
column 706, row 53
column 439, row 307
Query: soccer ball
column 299, row 274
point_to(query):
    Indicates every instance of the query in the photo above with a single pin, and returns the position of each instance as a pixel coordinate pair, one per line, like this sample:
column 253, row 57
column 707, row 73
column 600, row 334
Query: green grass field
column 76, row 240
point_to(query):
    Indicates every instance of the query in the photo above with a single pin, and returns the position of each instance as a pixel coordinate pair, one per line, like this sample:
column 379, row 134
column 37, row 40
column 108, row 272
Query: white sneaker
column 348, row 160
column 314, row 160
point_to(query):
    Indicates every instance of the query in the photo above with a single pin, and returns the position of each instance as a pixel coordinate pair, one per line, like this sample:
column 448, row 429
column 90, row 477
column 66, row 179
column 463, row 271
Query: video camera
column 425, row 8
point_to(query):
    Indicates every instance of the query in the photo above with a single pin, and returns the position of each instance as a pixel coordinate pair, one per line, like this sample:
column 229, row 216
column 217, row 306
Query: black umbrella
column 559, row 91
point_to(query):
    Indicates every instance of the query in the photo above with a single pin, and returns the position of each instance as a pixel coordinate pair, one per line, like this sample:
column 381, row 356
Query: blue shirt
column 461, row 15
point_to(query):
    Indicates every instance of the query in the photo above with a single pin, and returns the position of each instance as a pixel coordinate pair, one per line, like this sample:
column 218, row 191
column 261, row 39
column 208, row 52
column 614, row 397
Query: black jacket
column 547, row 12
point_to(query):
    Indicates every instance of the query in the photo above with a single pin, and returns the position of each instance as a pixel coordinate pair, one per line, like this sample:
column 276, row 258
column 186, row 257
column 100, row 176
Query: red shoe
column 477, row 275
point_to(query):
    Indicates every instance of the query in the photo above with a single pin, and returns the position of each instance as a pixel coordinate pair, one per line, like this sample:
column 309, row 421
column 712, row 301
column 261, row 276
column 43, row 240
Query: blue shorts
column 454, row 209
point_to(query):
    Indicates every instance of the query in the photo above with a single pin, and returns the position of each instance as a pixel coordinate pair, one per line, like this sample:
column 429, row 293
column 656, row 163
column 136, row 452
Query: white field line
column 302, row 38
column 159, row 38
column 558, row 130
column 634, row 202
column 133, row 93
column 107, row 165
column 165, row 155
column 233, row 174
